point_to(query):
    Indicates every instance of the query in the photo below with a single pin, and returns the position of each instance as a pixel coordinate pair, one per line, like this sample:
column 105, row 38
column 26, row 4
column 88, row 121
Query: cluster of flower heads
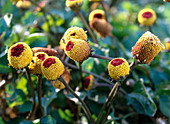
column 20, row 55
column 74, row 42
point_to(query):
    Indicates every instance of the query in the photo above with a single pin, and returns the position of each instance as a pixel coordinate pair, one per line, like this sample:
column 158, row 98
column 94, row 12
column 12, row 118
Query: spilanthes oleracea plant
column 35, row 65
column 23, row 4
column 19, row 55
column 146, row 48
column 75, row 5
column 78, row 50
column 66, row 76
column 118, row 68
column 52, row 68
column 146, row 17
column 88, row 82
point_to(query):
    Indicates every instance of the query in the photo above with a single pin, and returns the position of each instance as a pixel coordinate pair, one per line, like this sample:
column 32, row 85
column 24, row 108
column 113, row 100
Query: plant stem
column 95, row 75
column 39, row 83
column 87, row 26
column 100, row 57
column 81, row 74
column 110, row 104
column 104, row 9
column 150, row 28
column 32, row 93
column 86, row 109
column 121, row 47
column 103, row 85
column 105, row 104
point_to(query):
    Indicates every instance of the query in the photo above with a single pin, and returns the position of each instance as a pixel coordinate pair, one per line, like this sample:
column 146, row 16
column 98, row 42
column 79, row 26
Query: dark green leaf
column 48, row 120
column 25, row 122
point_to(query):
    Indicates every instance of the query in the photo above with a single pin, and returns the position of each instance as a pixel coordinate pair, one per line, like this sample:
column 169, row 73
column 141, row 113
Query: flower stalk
column 32, row 93
column 86, row 109
column 87, row 26
column 39, row 83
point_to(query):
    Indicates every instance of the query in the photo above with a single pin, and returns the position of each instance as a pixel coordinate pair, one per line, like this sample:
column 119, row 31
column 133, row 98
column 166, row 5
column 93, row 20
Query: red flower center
column 71, row 0
column 48, row 62
column 147, row 15
column 17, row 50
column 86, row 82
column 117, row 62
column 97, row 15
column 41, row 56
column 168, row 42
column 69, row 46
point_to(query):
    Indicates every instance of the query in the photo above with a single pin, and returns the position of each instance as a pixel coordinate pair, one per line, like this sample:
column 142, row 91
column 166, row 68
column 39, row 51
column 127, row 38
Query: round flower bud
column 78, row 50
column 88, row 82
column 100, row 14
column 118, row 68
column 75, row 5
column 19, row 55
column 48, row 51
column 146, row 17
column 35, row 65
column 167, row 45
column 146, row 48
column 23, row 4
column 52, row 68
column 66, row 76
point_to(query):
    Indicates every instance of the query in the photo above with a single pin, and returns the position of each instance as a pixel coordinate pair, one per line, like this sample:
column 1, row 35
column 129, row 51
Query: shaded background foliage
column 147, row 89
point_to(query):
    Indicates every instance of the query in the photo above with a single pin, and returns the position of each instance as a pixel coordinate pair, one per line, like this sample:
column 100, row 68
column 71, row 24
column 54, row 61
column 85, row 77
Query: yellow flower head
column 66, row 76
column 146, row 48
column 73, row 33
column 35, row 65
column 74, row 4
column 78, row 50
column 23, row 4
column 19, row 55
column 118, row 68
column 146, row 17
column 88, row 82
column 52, row 68
column 96, row 14
column 48, row 51
column 167, row 45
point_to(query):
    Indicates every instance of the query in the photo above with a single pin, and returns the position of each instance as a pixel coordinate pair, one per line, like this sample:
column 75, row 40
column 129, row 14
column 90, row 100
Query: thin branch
column 87, row 26
column 104, row 9
column 81, row 74
column 105, row 104
column 39, row 83
column 100, row 57
column 32, row 93
column 110, row 104
column 86, row 109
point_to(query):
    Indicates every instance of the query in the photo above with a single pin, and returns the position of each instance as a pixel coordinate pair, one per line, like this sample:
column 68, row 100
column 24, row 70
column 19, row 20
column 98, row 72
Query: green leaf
column 3, row 25
column 164, row 101
column 25, row 107
column 88, row 64
column 25, row 122
column 22, row 84
column 48, row 120
column 2, row 121
column 37, row 40
column 141, row 100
